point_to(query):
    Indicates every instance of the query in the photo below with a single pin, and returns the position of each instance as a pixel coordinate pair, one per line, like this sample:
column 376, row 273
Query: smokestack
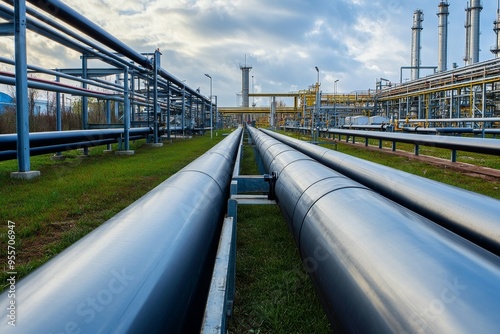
column 475, row 20
column 467, row 57
column 245, row 84
column 443, row 36
column 418, row 17
column 496, row 48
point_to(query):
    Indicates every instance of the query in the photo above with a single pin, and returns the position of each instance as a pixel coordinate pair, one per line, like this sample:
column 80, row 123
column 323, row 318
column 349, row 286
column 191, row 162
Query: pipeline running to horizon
column 379, row 267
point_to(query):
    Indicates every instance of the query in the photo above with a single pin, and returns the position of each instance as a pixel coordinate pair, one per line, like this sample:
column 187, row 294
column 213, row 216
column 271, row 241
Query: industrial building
column 465, row 96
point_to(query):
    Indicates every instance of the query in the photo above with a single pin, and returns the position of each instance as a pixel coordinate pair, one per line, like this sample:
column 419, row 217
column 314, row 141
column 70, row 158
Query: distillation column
column 467, row 56
column 496, row 48
column 418, row 17
column 245, row 85
column 475, row 20
column 443, row 36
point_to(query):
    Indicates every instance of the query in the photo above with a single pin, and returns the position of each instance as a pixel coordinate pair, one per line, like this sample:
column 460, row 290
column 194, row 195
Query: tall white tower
column 245, row 85
column 496, row 48
column 475, row 30
column 443, row 36
column 418, row 17
column 467, row 56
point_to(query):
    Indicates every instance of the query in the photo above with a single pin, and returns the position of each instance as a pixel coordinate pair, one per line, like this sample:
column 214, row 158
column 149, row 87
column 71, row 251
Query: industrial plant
column 453, row 96
column 383, row 250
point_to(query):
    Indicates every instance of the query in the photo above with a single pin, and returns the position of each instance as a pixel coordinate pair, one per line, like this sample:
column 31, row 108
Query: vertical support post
column 116, row 103
column 451, row 103
column 211, row 107
column 126, row 110
column 156, row 66
column 22, row 116
column 211, row 111
column 85, row 102
column 168, row 111
column 190, row 111
column 483, row 103
column 380, row 143
column 58, row 155
column 124, row 145
column 58, row 110
column 183, row 107
column 217, row 125
column 132, row 96
column 108, row 119
column 394, row 146
column 453, row 155
column 273, row 114
column 23, row 128
column 85, row 109
column 417, row 149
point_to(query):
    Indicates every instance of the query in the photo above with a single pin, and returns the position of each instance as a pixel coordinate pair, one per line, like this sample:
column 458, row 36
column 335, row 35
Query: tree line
column 71, row 112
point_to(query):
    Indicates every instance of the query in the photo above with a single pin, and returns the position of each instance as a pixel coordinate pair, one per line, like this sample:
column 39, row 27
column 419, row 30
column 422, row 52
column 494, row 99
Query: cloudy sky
column 355, row 41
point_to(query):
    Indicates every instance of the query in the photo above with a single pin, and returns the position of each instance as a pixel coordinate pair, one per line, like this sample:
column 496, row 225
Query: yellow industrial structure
column 466, row 97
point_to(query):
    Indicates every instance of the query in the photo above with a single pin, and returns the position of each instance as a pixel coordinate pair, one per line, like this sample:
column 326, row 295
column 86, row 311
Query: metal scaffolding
column 145, row 93
column 467, row 97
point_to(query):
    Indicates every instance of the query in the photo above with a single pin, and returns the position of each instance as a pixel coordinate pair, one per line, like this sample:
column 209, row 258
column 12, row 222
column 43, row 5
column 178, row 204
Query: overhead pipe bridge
column 92, row 42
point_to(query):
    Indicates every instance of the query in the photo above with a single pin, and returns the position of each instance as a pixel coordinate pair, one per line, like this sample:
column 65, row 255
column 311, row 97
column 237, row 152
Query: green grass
column 73, row 197
column 274, row 294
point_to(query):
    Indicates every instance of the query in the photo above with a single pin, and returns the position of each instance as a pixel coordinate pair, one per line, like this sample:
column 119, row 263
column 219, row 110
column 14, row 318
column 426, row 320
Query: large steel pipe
column 379, row 267
column 12, row 154
column 478, row 145
column 472, row 215
column 144, row 270
column 39, row 139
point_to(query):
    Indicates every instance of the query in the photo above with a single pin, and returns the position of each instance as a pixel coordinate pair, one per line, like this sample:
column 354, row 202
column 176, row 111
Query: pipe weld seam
column 319, row 198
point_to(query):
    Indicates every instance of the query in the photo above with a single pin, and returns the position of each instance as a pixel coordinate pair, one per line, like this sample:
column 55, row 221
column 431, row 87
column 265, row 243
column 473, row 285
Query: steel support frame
column 74, row 40
column 22, row 114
